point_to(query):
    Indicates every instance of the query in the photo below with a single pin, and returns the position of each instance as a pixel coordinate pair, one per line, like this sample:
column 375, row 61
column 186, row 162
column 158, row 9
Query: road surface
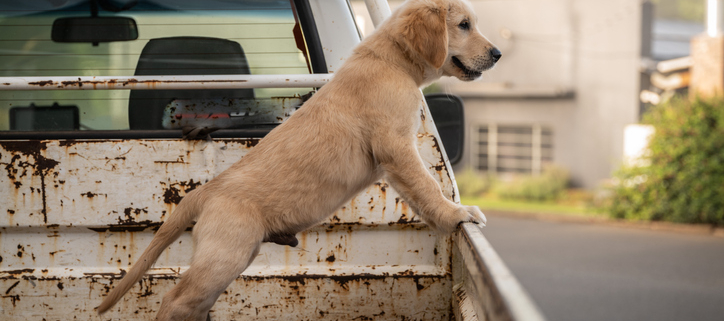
column 577, row 271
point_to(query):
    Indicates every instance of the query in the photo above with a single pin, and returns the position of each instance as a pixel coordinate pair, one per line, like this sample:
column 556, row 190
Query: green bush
column 545, row 187
column 685, row 179
column 472, row 184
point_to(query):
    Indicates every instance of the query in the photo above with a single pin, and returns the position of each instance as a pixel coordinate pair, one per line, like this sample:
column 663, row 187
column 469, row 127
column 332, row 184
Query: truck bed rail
column 164, row 82
column 485, row 289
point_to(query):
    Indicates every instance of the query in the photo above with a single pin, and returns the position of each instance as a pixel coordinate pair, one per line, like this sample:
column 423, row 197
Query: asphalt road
column 576, row 271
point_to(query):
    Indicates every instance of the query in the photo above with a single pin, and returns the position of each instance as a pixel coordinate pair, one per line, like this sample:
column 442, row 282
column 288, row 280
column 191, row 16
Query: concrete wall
column 606, row 82
column 571, row 65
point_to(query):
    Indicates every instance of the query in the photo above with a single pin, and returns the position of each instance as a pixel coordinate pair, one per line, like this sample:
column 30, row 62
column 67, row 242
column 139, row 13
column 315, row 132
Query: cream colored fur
column 357, row 129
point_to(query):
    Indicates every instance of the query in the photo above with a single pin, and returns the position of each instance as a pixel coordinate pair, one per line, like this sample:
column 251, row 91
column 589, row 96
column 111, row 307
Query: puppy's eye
column 465, row 25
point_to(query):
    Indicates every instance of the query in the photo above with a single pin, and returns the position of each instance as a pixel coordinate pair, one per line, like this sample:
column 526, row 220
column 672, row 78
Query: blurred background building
column 569, row 82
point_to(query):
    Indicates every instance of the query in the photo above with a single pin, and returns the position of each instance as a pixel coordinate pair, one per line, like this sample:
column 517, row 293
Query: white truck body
column 75, row 213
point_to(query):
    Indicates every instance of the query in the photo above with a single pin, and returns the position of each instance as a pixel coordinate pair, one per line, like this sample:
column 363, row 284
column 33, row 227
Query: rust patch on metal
column 132, row 82
column 128, row 222
column 72, row 83
column 42, row 83
column 131, row 227
column 66, row 143
column 11, row 287
column 92, row 195
column 250, row 142
column 146, row 285
column 342, row 280
column 178, row 161
column 441, row 166
column 382, row 186
column 403, row 219
column 107, row 275
column 172, row 194
column 41, row 167
column 128, row 210
column 13, row 274
column 14, row 298
column 130, row 219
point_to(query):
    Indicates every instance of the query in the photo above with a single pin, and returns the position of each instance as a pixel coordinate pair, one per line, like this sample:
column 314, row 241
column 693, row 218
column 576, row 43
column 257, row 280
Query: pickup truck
column 111, row 111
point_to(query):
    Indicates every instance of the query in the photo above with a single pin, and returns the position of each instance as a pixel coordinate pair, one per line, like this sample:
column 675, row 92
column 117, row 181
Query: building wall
column 556, row 114
column 572, row 65
column 606, row 82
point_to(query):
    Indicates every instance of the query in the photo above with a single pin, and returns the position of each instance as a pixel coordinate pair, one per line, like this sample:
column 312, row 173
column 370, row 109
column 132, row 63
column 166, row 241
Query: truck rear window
column 190, row 37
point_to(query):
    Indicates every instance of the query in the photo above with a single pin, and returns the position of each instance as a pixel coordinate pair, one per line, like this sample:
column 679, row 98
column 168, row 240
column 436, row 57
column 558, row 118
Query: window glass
column 181, row 37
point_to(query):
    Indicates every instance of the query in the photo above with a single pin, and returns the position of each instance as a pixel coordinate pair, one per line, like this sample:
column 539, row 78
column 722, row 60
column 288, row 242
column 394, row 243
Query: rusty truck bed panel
column 310, row 297
column 76, row 215
column 88, row 183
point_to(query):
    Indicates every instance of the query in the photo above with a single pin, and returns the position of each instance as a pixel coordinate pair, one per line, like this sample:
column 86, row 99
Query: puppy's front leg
column 406, row 172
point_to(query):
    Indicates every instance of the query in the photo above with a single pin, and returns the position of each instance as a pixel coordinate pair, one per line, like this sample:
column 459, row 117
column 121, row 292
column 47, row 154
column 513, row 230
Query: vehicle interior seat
column 183, row 56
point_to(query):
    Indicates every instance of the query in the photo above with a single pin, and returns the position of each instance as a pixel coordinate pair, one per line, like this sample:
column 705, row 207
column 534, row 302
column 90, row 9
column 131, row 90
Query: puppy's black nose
column 496, row 54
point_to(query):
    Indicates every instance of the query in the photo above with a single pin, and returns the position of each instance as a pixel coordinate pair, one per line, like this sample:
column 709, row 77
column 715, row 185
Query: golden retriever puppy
column 359, row 128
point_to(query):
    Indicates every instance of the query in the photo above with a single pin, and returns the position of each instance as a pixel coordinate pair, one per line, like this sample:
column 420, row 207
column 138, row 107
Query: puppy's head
column 444, row 33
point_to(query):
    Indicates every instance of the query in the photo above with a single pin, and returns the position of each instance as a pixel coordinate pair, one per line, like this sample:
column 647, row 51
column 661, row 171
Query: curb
column 697, row 229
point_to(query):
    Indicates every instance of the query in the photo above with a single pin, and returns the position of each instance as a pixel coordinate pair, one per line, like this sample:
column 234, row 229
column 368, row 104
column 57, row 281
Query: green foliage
column 685, row 181
column 472, row 184
column 545, row 187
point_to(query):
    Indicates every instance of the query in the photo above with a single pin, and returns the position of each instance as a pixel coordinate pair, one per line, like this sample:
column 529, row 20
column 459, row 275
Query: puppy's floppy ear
column 425, row 32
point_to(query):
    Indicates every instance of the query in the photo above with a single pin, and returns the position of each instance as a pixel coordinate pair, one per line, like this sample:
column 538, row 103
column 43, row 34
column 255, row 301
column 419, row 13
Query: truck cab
column 111, row 111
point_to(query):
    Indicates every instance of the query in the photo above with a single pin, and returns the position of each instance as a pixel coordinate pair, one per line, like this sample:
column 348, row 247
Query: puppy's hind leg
column 224, row 249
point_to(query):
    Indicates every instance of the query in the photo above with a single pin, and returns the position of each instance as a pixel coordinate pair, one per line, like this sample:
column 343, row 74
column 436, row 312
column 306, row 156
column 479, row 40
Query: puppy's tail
column 169, row 231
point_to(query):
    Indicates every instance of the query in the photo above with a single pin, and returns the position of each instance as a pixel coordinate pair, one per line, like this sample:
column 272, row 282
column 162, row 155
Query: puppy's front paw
column 461, row 214
column 473, row 214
